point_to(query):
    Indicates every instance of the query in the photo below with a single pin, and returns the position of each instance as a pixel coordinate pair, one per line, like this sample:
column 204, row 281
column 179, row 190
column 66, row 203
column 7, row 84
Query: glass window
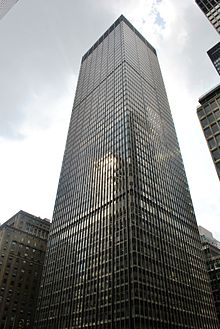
column 215, row 128
column 212, row 143
column 216, row 154
column 211, row 118
column 207, row 108
column 218, row 167
column 218, row 100
column 204, row 122
column 218, row 139
column 217, row 114
column 213, row 105
column 208, row 132
column 201, row 113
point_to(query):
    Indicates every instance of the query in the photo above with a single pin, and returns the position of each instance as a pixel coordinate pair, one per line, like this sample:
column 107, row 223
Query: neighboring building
column 207, row 237
column 214, row 55
column 124, row 249
column 23, row 240
column 209, row 116
column 210, row 247
column 211, row 8
column 5, row 6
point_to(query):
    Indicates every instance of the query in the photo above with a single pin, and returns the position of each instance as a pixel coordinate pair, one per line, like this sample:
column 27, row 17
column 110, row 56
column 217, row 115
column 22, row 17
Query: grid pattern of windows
column 124, row 250
column 212, row 257
column 21, row 261
column 211, row 9
column 214, row 55
column 209, row 116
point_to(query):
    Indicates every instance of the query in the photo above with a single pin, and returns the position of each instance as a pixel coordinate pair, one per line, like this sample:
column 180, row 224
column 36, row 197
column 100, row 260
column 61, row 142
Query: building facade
column 124, row 249
column 5, row 6
column 211, row 250
column 207, row 237
column 209, row 115
column 211, row 8
column 214, row 55
column 23, row 240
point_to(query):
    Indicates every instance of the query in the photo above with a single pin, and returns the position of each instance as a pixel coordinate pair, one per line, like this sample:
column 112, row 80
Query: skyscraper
column 209, row 115
column 5, row 6
column 214, row 55
column 124, row 249
column 211, row 8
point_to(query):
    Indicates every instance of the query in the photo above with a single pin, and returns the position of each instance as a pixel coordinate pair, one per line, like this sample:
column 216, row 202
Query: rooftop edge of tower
column 110, row 29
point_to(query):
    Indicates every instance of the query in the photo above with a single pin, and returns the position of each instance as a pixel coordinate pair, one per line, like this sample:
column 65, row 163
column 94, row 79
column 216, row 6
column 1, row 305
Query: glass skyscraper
column 124, row 249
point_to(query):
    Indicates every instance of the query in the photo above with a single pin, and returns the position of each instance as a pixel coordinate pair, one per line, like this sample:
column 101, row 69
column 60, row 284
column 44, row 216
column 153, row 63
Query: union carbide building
column 124, row 249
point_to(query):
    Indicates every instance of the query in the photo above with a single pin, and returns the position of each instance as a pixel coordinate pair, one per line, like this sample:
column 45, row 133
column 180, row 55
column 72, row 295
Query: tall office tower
column 210, row 248
column 211, row 8
column 124, row 248
column 23, row 240
column 5, row 6
column 214, row 55
column 209, row 116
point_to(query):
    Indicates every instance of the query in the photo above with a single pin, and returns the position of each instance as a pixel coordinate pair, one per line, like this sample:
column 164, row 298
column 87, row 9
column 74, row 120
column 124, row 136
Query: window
column 201, row 113
column 212, row 143
column 211, row 118
column 218, row 139
column 217, row 114
column 216, row 154
column 215, row 128
column 204, row 122
column 207, row 132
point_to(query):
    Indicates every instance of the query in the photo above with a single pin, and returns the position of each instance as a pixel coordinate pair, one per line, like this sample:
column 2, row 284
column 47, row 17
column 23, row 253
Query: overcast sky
column 42, row 43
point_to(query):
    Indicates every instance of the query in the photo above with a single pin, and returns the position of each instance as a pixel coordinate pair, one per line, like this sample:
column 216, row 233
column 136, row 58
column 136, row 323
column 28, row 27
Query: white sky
column 42, row 43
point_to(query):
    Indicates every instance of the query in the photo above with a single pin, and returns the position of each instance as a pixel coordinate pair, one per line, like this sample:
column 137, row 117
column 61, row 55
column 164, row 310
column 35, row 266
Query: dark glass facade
column 209, row 115
column 214, row 55
column 211, row 8
column 124, row 249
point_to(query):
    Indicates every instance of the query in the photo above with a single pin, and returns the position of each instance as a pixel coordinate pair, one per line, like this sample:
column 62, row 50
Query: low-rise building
column 210, row 247
column 23, row 240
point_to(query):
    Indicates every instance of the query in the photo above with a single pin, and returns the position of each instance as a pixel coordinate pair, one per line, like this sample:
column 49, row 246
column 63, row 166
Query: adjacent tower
column 211, row 8
column 124, row 249
column 209, row 116
column 214, row 55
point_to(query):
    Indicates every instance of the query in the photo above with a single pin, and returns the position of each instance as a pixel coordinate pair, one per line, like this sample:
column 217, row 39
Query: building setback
column 211, row 8
column 5, row 6
column 214, row 55
column 209, row 115
column 23, row 240
column 210, row 247
column 124, row 249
